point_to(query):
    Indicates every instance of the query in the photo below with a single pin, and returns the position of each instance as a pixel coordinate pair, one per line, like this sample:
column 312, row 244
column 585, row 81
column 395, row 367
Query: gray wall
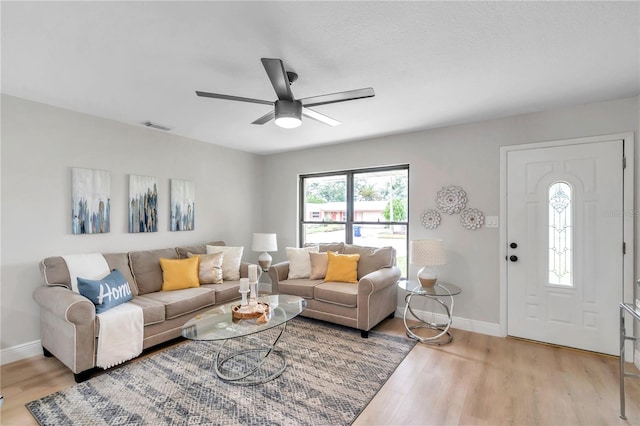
column 40, row 145
column 465, row 155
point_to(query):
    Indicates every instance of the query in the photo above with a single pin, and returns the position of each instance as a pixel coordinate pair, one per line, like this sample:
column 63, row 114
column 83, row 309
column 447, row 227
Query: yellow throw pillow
column 179, row 273
column 342, row 268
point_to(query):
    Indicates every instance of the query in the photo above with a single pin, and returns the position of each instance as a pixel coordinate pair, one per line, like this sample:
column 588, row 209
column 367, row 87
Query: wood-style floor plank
column 475, row 380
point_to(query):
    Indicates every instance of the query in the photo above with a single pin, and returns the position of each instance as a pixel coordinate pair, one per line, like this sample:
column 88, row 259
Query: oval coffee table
column 219, row 324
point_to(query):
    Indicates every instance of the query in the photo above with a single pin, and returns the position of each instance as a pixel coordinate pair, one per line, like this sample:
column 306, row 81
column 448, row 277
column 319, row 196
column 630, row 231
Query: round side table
column 436, row 293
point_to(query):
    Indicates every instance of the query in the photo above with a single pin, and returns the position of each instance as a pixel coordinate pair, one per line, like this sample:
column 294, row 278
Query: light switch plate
column 491, row 221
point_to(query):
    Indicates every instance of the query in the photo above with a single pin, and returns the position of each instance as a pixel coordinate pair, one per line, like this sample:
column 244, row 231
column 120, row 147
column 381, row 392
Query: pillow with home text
column 106, row 293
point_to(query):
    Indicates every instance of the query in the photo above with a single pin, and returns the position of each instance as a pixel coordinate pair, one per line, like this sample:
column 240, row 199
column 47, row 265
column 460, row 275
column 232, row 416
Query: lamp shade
column 427, row 253
column 264, row 242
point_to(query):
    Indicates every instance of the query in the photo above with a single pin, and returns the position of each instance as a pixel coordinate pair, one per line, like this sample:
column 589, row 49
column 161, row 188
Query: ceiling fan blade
column 265, row 118
column 338, row 97
column 232, row 98
column 319, row 117
column 278, row 76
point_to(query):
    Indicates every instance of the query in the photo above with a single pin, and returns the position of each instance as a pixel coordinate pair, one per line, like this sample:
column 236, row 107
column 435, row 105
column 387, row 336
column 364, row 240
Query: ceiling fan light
column 288, row 114
column 288, row 122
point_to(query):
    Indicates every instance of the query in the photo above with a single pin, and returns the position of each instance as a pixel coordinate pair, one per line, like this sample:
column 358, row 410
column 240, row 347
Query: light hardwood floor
column 475, row 380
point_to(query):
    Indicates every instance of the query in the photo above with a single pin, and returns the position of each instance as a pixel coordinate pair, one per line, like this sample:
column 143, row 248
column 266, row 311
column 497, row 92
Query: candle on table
column 244, row 284
column 253, row 273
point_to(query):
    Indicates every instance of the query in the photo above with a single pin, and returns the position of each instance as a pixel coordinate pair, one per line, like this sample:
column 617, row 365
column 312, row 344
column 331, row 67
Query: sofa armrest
column 377, row 297
column 278, row 272
column 378, row 280
column 65, row 304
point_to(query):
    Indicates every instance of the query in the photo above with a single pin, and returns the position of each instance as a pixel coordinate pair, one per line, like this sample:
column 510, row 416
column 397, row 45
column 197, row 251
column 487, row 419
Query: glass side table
column 438, row 293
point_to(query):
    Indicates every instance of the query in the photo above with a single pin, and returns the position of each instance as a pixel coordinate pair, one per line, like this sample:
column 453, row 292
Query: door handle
column 513, row 258
column 513, row 245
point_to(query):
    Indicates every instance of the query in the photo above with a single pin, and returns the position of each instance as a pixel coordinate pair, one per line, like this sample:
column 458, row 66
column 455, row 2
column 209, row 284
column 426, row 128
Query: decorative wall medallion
column 471, row 218
column 451, row 199
column 430, row 219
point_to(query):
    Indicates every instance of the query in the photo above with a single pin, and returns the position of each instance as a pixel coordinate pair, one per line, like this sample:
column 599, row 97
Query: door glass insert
column 560, row 234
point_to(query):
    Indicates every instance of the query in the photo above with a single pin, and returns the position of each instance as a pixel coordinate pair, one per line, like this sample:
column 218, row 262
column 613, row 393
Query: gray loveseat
column 68, row 323
column 362, row 305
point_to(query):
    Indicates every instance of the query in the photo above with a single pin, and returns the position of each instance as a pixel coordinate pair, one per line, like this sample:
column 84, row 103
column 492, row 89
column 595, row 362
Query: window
column 560, row 234
column 367, row 207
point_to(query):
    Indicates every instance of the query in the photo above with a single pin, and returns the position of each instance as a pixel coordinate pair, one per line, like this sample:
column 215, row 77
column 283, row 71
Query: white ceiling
column 432, row 64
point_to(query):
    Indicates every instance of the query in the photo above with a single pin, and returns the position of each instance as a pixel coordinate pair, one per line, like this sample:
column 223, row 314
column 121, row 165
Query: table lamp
column 264, row 243
column 428, row 254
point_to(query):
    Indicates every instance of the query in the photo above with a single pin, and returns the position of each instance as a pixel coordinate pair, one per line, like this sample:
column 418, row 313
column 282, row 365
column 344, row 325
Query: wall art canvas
column 91, row 201
column 182, row 205
column 143, row 204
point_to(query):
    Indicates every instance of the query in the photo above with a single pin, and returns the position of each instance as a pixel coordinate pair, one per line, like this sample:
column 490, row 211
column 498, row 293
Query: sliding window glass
column 366, row 207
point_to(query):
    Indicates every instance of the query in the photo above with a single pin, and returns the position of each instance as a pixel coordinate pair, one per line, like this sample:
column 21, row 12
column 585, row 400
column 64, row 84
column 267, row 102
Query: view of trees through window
column 365, row 207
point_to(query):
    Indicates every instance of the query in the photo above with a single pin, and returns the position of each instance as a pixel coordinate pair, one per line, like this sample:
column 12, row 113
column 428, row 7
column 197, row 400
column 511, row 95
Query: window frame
column 350, row 221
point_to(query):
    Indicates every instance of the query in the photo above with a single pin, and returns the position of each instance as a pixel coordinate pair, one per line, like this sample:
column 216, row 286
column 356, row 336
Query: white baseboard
column 465, row 324
column 17, row 353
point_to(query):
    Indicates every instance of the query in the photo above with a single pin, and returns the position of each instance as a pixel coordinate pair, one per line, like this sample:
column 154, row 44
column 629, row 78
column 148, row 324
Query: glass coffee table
column 436, row 293
column 260, row 362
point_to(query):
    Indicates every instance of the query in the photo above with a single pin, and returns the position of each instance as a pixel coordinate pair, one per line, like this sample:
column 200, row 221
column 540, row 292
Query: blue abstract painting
column 143, row 204
column 90, row 201
column 183, row 205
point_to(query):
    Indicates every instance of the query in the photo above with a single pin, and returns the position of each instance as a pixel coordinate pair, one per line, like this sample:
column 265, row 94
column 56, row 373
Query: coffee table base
column 248, row 375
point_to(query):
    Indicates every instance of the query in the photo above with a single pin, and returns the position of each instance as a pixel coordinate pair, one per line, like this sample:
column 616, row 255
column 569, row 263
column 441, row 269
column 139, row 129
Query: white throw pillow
column 299, row 262
column 231, row 259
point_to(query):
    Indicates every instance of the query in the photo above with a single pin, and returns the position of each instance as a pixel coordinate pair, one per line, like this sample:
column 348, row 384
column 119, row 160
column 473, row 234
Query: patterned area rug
column 332, row 374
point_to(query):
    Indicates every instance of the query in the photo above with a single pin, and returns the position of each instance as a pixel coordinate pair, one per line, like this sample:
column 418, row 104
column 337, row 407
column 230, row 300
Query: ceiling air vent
column 157, row 126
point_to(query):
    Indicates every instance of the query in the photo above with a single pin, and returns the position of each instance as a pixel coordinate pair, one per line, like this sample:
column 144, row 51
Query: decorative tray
column 261, row 309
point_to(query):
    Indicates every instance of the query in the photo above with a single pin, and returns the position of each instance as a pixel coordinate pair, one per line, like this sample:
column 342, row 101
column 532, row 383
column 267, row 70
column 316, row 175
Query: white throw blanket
column 121, row 327
column 121, row 335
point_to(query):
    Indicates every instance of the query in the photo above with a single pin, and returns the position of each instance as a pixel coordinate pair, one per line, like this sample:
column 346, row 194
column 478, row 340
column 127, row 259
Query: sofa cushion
column 107, row 292
column 196, row 249
column 299, row 261
column 300, row 287
column 231, row 260
column 178, row 274
column 342, row 268
column 225, row 292
column 181, row 302
column 120, row 261
column 153, row 312
column 335, row 247
column 372, row 258
column 145, row 267
column 319, row 263
column 338, row 293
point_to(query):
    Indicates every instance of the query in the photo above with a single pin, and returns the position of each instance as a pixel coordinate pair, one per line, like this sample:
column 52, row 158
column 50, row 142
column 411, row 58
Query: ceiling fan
column 288, row 111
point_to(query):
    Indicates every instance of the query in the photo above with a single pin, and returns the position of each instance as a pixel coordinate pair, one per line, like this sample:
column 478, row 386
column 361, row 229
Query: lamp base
column 264, row 260
column 427, row 277
column 427, row 282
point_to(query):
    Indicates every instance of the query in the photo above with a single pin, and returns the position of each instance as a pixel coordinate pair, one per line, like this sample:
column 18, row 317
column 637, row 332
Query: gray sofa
column 68, row 323
column 362, row 305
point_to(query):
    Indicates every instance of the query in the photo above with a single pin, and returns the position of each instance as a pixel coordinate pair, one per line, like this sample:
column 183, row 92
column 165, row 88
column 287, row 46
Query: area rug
column 332, row 374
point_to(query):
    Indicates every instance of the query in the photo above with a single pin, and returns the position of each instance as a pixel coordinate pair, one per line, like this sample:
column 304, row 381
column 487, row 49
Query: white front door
column 565, row 244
